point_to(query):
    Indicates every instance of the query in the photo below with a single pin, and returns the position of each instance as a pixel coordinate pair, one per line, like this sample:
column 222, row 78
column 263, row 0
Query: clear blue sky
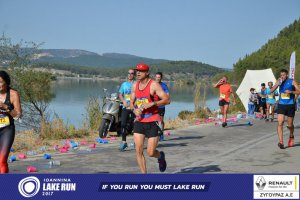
column 217, row 32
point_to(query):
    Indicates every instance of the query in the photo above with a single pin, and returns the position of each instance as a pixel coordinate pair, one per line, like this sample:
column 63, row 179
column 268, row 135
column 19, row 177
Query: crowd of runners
column 145, row 99
column 264, row 102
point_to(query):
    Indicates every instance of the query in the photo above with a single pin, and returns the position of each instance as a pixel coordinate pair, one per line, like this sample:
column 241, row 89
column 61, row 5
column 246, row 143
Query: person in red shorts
column 224, row 100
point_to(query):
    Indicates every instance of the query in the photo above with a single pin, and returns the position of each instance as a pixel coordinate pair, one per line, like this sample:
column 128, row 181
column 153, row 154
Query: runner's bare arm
column 122, row 99
column 132, row 96
column 137, row 111
column 218, row 83
column 164, row 97
column 15, row 100
column 275, row 86
column 297, row 91
column 155, row 88
column 233, row 98
column 168, row 94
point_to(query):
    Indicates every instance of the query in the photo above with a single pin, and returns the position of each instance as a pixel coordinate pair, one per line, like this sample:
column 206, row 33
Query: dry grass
column 30, row 141
column 177, row 123
column 58, row 130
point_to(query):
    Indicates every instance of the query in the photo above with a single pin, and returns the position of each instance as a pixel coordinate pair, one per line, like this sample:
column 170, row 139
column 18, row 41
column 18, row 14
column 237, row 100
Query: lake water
column 71, row 96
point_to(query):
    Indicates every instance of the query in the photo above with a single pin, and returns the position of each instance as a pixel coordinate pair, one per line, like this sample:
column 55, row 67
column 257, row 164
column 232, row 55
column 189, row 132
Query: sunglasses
column 130, row 72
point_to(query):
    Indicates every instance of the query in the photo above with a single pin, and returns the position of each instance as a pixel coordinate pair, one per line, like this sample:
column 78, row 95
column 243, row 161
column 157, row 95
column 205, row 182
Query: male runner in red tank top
column 146, row 96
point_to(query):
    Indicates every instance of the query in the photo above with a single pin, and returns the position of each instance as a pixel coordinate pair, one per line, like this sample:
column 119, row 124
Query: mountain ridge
column 92, row 59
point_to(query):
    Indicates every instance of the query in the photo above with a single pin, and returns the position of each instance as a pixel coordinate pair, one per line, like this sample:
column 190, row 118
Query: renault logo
column 260, row 183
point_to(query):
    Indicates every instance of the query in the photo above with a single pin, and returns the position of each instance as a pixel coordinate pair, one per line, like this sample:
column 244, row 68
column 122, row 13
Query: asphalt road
column 238, row 148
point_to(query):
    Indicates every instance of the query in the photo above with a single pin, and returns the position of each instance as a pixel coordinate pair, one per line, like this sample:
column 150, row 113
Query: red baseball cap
column 142, row 67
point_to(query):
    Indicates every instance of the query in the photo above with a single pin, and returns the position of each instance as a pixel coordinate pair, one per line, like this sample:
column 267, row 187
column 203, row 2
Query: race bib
column 271, row 96
column 127, row 97
column 4, row 121
column 141, row 101
column 285, row 96
column 263, row 96
column 222, row 96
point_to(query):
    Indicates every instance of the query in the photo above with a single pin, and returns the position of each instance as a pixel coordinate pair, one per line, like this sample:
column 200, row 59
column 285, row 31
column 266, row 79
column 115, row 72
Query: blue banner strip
column 127, row 186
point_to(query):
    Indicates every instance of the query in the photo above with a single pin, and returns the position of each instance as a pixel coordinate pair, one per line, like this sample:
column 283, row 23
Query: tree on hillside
column 33, row 86
column 274, row 54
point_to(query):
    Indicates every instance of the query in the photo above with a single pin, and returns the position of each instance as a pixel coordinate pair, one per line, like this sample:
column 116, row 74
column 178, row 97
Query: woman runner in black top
column 10, row 109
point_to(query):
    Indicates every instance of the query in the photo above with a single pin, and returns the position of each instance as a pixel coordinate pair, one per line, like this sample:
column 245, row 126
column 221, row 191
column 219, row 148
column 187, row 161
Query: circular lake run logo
column 29, row 187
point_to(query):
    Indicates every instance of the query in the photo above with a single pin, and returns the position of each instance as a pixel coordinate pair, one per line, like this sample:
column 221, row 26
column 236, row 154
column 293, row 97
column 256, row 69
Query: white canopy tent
column 253, row 79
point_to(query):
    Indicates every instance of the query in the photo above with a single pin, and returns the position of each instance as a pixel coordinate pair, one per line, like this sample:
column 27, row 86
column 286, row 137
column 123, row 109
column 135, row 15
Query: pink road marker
column 63, row 150
column 31, row 169
column 22, row 156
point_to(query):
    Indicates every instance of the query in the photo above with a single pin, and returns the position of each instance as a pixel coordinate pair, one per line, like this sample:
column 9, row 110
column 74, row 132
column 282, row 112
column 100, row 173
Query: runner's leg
column 7, row 136
column 268, row 110
column 124, row 118
column 222, row 112
column 280, row 127
column 226, row 107
column 273, row 111
column 290, row 121
column 151, row 147
column 139, row 140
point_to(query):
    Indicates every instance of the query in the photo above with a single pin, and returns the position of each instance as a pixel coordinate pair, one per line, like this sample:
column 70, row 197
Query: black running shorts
column 223, row 102
column 287, row 110
column 263, row 105
column 149, row 129
column 161, row 111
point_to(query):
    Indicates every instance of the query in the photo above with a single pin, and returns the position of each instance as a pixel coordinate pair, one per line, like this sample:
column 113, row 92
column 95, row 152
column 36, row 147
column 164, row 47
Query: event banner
column 150, row 186
column 293, row 65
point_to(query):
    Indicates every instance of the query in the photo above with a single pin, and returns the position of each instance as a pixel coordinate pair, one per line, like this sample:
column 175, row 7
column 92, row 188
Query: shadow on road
column 296, row 145
column 169, row 129
column 186, row 138
column 210, row 168
column 239, row 125
column 171, row 144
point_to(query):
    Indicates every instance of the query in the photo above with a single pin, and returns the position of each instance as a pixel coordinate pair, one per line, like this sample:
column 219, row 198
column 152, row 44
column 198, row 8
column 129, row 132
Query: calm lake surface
column 71, row 96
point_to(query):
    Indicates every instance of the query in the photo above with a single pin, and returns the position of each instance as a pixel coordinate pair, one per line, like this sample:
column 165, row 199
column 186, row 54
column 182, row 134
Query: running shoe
column 123, row 146
column 272, row 119
column 162, row 162
column 291, row 142
column 267, row 120
column 262, row 117
column 280, row 145
column 224, row 124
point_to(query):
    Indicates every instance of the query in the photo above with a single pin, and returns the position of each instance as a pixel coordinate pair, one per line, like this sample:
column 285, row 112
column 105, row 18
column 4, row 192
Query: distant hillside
column 86, row 58
column 274, row 54
column 172, row 70
column 65, row 53
column 187, row 69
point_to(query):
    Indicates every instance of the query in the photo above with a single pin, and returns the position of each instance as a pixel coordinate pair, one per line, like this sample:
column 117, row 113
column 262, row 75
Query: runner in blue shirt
column 288, row 88
column 162, row 109
column 270, row 101
column 263, row 103
column 124, row 95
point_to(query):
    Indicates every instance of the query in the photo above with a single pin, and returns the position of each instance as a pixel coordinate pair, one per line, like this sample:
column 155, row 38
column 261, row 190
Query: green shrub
column 185, row 114
column 94, row 114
